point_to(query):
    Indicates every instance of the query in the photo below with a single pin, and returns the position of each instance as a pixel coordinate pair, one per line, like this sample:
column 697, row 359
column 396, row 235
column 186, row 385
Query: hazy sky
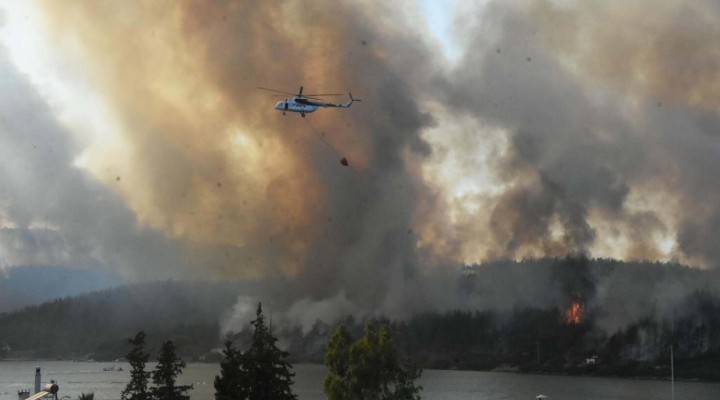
column 132, row 138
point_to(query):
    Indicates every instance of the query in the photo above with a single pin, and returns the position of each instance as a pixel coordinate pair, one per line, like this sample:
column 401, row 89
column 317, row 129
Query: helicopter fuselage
column 290, row 105
column 306, row 104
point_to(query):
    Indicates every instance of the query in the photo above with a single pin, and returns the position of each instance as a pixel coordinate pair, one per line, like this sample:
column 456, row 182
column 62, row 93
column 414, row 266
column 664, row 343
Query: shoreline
column 505, row 370
column 568, row 374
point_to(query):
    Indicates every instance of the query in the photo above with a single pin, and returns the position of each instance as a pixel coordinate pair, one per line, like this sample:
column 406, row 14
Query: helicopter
column 307, row 103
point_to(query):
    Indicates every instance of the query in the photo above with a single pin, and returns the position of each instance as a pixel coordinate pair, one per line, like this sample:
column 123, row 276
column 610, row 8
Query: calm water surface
column 77, row 377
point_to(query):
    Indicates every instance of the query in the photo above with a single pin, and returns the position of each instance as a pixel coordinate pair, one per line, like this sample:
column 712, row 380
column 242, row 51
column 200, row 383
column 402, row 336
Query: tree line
column 363, row 369
column 97, row 325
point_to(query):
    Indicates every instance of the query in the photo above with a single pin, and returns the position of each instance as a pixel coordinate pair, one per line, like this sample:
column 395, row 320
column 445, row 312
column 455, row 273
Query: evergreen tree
column 137, row 388
column 261, row 373
column 168, row 368
column 232, row 383
column 369, row 368
column 268, row 371
column 337, row 359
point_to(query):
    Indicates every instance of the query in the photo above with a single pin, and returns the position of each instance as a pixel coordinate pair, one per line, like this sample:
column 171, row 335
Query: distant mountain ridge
column 96, row 325
column 25, row 286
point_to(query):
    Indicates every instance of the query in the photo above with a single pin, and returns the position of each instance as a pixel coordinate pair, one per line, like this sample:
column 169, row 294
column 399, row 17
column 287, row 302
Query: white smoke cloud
column 54, row 213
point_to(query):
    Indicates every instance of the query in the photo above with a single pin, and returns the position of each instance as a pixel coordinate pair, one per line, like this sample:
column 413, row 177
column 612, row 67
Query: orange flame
column 574, row 314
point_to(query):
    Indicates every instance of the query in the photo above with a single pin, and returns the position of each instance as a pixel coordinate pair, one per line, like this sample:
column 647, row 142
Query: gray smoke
column 605, row 144
column 53, row 213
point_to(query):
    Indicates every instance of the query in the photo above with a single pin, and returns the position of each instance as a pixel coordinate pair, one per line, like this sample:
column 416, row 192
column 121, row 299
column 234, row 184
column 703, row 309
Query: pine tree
column 168, row 368
column 137, row 388
column 233, row 382
column 369, row 368
column 261, row 373
column 268, row 370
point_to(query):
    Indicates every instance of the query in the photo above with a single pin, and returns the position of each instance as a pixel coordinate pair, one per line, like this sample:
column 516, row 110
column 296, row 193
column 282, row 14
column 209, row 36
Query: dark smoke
column 602, row 135
column 312, row 228
column 584, row 149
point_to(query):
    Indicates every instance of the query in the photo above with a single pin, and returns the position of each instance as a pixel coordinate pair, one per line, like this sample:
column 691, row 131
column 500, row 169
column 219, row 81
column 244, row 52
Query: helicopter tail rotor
column 352, row 100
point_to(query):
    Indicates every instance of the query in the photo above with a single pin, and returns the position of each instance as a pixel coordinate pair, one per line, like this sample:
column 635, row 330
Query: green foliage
column 86, row 396
column 168, row 368
column 137, row 388
column 266, row 364
column 369, row 368
column 233, row 381
column 337, row 387
column 261, row 373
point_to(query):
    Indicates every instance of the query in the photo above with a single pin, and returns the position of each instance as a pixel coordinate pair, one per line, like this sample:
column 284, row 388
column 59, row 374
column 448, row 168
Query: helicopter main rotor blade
column 324, row 94
column 276, row 91
column 311, row 98
column 300, row 94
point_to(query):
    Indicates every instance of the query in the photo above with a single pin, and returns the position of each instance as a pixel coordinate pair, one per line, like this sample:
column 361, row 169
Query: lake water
column 77, row 377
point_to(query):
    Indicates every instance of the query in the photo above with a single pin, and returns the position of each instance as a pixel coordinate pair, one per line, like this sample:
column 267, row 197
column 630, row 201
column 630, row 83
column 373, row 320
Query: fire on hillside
column 574, row 315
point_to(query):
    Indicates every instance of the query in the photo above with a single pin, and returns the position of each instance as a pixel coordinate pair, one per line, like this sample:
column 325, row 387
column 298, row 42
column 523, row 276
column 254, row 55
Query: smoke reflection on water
column 77, row 377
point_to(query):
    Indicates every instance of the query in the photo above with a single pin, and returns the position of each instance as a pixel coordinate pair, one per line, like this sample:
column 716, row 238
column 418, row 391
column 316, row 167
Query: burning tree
column 577, row 284
column 575, row 314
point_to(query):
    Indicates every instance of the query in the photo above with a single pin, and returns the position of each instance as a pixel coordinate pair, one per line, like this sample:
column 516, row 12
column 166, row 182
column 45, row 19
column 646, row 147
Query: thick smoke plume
column 564, row 129
column 610, row 141
column 249, row 193
column 52, row 213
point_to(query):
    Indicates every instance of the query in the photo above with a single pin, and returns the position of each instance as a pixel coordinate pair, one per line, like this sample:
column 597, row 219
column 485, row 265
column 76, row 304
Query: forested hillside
column 22, row 287
column 97, row 325
column 603, row 318
column 544, row 340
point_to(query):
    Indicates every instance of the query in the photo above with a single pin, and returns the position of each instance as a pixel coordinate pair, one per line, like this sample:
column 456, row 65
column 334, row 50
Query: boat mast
column 672, row 372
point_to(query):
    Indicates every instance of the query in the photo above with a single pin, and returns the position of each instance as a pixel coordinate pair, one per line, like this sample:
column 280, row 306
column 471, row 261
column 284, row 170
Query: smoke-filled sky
column 133, row 138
